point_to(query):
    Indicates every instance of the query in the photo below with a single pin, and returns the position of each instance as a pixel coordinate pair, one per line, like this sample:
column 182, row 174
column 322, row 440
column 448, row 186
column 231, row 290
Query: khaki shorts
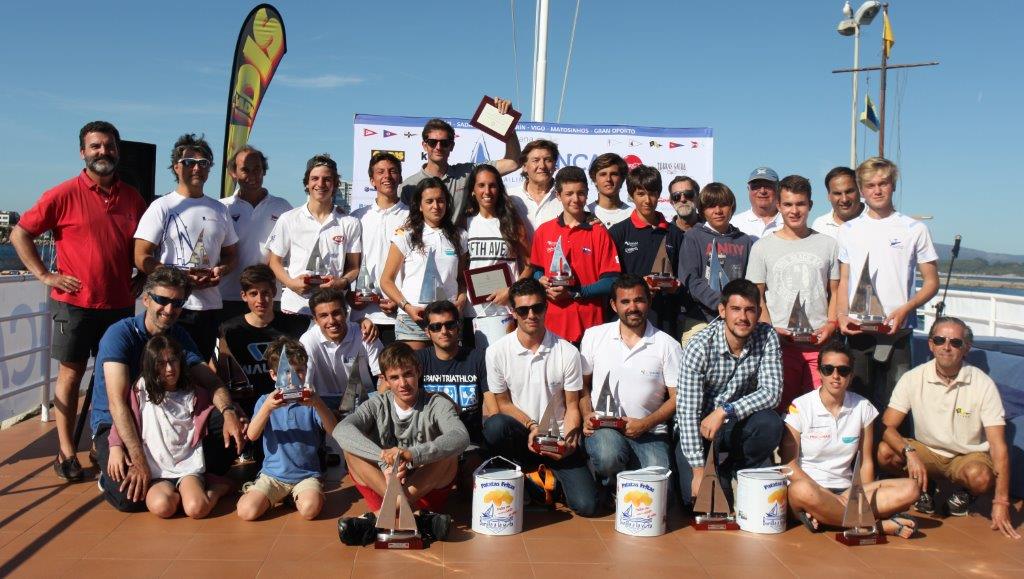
column 276, row 490
column 690, row 329
column 950, row 468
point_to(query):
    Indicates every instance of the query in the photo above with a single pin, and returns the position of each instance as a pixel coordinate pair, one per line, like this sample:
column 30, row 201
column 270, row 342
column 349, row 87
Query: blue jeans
column 505, row 436
column 611, row 452
column 749, row 442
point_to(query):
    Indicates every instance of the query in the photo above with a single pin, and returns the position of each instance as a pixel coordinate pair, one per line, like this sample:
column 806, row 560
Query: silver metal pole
column 853, row 107
column 541, row 63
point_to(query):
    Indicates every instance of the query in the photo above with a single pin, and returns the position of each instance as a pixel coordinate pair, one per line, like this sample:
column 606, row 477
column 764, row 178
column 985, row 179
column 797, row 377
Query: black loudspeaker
column 137, row 167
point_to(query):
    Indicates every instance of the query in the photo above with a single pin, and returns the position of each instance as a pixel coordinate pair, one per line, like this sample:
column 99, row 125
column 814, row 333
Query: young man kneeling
column 405, row 428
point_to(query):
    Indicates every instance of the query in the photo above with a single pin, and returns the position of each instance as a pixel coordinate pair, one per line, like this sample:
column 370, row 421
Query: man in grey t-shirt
column 438, row 143
column 792, row 261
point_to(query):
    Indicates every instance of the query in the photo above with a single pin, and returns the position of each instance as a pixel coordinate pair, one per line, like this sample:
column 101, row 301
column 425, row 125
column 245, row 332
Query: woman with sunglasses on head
column 824, row 431
column 430, row 253
column 496, row 236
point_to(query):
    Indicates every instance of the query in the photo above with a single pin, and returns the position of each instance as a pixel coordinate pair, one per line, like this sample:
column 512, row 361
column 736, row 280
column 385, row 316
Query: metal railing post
column 992, row 314
column 47, row 337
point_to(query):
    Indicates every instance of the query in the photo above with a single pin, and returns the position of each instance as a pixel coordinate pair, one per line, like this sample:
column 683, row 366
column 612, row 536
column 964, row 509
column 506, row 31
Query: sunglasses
column 189, row 162
column 537, row 308
column 445, row 143
column 166, row 301
column 829, row 369
column 676, row 196
column 940, row 340
column 450, row 325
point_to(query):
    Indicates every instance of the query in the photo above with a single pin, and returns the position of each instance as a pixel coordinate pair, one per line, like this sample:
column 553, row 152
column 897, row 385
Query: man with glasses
column 959, row 428
column 188, row 230
column 683, row 192
column 119, row 365
column 841, row 184
column 729, row 384
column 92, row 217
column 438, row 143
column 528, row 371
column 763, row 216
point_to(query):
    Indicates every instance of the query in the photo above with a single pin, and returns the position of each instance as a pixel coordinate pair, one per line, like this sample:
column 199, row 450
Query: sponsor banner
column 261, row 45
column 672, row 151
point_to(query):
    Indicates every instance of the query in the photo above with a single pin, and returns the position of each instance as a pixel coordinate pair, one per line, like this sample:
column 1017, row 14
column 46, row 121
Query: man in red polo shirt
column 590, row 254
column 93, row 218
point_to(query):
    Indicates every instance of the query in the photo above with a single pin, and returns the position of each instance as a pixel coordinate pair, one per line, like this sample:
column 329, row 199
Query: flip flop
column 900, row 527
column 805, row 518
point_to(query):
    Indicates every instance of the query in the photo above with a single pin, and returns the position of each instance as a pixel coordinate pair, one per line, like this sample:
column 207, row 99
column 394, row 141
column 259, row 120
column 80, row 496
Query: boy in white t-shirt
column 824, row 431
column 896, row 245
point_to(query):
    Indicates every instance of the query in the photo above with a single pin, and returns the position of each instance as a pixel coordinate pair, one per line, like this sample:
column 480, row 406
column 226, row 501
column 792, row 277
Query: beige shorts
column 690, row 329
column 276, row 490
column 950, row 468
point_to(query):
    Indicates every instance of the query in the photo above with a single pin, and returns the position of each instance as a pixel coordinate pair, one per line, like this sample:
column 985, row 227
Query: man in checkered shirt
column 729, row 384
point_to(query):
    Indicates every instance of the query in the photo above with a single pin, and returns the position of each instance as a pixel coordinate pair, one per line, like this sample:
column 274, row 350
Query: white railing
column 987, row 314
column 26, row 371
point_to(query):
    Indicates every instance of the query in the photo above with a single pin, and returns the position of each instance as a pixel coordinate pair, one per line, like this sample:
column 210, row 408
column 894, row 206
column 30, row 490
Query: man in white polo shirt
column 763, row 216
column 254, row 212
column 527, row 370
column 536, row 199
column 841, row 184
column 336, row 353
column 640, row 365
column 959, row 428
column 317, row 225
column 379, row 222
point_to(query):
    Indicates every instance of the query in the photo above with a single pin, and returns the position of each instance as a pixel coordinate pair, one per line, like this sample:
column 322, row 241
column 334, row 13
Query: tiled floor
column 49, row 529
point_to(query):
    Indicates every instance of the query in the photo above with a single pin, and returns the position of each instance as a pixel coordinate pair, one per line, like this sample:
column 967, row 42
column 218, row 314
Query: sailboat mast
column 540, row 63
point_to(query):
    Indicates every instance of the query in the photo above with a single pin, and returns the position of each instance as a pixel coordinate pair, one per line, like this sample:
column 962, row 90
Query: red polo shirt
column 591, row 253
column 94, row 234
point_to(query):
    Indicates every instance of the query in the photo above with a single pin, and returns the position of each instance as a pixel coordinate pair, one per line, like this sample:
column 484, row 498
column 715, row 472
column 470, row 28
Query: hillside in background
column 975, row 261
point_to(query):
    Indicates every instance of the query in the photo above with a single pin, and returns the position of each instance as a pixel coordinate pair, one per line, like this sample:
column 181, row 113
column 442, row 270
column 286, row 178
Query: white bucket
column 761, row 499
column 498, row 498
column 641, row 501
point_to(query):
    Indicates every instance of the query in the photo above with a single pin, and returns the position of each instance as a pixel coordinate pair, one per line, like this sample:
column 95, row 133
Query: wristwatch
column 230, row 408
column 908, row 449
column 402, row 305
column 730, row 410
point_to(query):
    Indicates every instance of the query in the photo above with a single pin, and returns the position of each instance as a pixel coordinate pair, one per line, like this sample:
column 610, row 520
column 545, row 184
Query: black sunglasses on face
column 445, row 143
column 166, row 301
column 450, row 325
column 676, row 196
column 537, row 308
column 940, row 340
column 828, row 369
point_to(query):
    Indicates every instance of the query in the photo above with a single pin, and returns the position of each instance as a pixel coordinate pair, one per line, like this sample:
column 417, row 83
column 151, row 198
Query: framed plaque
column 484, row 281
column 488, row 119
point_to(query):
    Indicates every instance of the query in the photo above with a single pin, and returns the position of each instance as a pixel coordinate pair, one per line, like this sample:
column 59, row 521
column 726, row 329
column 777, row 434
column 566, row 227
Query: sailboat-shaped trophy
column 866, row 307
column 316, row 268
column 432, row 289
column 559, row 272
column 550, row 441
column 396, row 525
column 198, row 263
column 859, row 519
column 799, row 326
column 711, row 509
column 717, row 278
column 607, row 413
column 365, row 292
column 288, row 381
column 661, row 275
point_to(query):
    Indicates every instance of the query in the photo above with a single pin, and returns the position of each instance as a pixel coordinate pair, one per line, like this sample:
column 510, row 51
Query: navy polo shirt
column 638, row 243
column 124, row 342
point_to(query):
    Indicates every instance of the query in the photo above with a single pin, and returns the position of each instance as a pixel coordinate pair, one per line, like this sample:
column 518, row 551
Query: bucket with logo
column 762, row 499
column 498, row 497
column 641, row 504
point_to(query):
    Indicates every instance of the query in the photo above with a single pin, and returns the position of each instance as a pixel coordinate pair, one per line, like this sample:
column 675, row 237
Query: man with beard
column 843, row 194
column 763, row 216
column 683, row 192
column 92, row 217
column 639, row 365
column 730, row 382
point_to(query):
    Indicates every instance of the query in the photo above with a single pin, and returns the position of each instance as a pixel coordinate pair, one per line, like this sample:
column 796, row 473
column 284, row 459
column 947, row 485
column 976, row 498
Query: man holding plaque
column 379, row 220
column 438, row 144
column 844, row 197
column 796, row 270
column 648, row 246
column 897, row 245
column 536, row 380
column 730, row 382
column 959, row 429
column 92, row 217
column 188, row 230
column 634, row 366
column 579, row 237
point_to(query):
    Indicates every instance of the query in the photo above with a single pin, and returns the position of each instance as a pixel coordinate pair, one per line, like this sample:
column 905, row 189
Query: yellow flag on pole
column 887, row 36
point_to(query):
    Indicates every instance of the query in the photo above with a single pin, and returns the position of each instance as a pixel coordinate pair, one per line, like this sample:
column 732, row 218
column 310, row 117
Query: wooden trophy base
column 872, row 325
column 200, row 271
column 404, row 540
column 655, row 281
column 616, row 422
column 295, row 396
column 560, row 280
column 706, row 523
column 315, row 281
column 549, row 444
column 804, row 339
column 366, row 298
column 855, row 539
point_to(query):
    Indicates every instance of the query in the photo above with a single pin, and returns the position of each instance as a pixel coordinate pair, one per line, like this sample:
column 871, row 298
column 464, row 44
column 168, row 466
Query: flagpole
column 885, row 58
column 853, row 107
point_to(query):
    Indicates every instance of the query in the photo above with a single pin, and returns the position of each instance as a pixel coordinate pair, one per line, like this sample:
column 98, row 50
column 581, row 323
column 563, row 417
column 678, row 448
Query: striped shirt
column 711, row 376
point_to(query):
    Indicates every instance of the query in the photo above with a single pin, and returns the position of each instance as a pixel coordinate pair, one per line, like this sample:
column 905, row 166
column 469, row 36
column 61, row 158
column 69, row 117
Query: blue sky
column 758, row 73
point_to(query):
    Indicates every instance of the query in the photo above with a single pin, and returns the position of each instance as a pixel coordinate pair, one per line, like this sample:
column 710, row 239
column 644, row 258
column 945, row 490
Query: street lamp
column 850, row 26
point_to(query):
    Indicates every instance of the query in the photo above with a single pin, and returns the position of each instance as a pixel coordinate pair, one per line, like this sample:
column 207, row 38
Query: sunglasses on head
column 445, row 143
column 189, row 162
column 676, row 196
column 829, row 369
column 166, row 301
column 940, row 340
column 450, row 325
column 537, row 308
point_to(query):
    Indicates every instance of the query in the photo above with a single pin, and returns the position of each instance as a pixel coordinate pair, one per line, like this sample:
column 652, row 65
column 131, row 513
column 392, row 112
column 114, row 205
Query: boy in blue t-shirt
column 292, row 433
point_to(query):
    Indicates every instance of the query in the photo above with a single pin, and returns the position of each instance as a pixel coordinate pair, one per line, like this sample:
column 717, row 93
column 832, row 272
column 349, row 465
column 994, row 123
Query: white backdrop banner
column 672, row 151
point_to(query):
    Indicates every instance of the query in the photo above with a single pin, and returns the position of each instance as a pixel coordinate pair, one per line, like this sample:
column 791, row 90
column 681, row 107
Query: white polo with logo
column 253, row 226
column 828, row 444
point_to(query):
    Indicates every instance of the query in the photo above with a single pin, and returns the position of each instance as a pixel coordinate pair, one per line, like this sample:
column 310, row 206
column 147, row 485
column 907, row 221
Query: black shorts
column 77, row 331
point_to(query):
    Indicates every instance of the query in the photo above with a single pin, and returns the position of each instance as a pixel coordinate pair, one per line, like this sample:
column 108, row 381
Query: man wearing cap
column 763, row 216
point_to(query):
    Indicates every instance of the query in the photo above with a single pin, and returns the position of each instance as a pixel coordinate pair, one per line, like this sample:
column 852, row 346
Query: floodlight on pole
column 850, row 26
